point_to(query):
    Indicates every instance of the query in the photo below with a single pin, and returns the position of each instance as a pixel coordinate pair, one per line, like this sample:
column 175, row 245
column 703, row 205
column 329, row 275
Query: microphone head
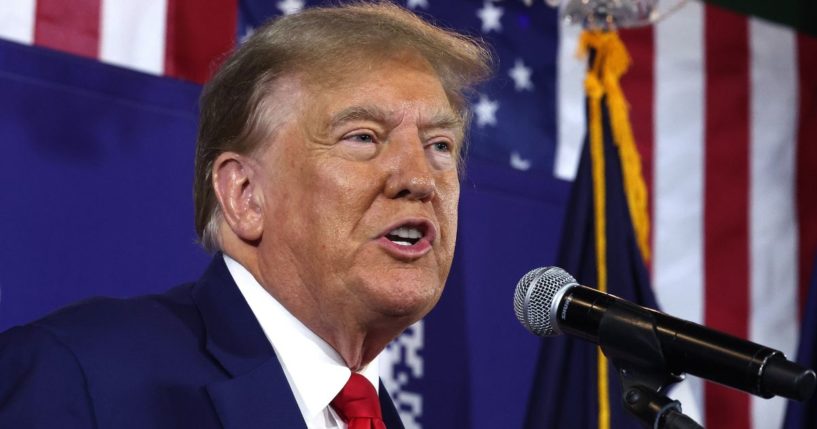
column 537, row 297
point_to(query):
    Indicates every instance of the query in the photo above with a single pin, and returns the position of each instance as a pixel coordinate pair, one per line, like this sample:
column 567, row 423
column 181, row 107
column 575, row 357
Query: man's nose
column 410, row 173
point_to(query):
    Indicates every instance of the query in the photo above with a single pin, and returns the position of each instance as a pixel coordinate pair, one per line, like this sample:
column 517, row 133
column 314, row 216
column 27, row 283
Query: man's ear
column 239, row 195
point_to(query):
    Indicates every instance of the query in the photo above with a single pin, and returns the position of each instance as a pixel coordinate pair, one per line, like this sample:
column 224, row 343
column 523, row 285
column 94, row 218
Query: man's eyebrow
column 359, row 113
column 438, row 120
column 444, row 120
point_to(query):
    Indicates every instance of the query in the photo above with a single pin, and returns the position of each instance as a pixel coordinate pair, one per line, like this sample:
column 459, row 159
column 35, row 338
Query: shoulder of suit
column 101, row 322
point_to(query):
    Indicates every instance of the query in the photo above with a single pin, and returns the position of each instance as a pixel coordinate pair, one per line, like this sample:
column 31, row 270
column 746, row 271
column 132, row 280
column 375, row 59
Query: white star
column 521, row 76
column 288, row 7
column 519, row 163
column 247, row 33
column 414, row 4
column 490, row 15
column 485, row 109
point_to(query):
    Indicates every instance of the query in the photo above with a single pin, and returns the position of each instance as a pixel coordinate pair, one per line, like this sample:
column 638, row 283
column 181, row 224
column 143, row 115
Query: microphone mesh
column 534, row 299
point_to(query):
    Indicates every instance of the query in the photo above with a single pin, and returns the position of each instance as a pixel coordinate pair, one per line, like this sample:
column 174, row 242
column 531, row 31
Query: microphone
column 549, row 302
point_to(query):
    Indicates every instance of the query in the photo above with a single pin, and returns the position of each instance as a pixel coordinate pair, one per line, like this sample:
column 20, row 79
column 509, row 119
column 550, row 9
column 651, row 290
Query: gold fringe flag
column 610, row 61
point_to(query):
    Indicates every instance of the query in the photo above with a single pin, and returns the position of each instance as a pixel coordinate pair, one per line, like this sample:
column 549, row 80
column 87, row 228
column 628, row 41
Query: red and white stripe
column 17, row 20
column 724, row 110
column 132, row 34
column 177, row 38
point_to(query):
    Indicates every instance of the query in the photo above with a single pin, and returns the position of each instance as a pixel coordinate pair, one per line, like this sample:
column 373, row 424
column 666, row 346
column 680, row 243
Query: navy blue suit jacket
column 193, row 357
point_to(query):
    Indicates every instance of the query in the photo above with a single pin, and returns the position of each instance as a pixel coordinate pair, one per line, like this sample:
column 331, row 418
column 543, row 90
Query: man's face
column 360, row 191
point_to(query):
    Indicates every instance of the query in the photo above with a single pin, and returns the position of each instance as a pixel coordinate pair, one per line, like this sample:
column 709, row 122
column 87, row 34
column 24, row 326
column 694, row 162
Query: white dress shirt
column 314, row 370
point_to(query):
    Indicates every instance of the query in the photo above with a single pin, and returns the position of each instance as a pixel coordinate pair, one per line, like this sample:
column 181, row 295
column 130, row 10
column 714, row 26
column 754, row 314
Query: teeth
column 406, row 232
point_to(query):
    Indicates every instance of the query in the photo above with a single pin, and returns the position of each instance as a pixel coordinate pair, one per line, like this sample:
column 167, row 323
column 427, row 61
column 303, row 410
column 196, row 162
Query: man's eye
column 441, row 146
column 362, row 138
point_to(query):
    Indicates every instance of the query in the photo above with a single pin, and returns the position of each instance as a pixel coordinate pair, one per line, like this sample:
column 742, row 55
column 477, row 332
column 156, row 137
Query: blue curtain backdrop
column 95, row 167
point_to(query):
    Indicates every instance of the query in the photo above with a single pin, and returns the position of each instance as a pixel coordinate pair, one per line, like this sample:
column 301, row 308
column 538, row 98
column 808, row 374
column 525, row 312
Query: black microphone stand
column 627, row 337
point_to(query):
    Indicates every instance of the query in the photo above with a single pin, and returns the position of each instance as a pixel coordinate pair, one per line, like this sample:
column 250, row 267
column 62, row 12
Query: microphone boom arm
column 628, row 336
column 652, row 350
column 682, row 346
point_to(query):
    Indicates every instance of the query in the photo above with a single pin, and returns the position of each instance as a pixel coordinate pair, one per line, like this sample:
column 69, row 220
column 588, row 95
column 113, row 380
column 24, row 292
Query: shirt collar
column 315, row 371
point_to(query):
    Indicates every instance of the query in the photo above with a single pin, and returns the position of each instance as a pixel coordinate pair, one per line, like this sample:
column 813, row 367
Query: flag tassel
column 610, row 62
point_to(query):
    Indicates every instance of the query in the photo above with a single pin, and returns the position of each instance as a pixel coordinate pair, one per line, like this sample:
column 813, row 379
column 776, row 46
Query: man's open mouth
column 409, row 239
column 406, row 235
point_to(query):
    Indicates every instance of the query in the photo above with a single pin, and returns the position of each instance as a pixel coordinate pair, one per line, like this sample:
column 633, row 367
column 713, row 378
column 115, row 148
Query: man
column 327, row 181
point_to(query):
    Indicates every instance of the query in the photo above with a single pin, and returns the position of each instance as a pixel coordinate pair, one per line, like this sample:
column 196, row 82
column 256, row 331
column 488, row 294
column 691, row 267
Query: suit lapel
column 259, row 399
column 257, row 395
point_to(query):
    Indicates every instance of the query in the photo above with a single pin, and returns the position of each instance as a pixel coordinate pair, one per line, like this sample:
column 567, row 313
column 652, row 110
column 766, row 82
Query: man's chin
column 404, row 298
column 410, row 312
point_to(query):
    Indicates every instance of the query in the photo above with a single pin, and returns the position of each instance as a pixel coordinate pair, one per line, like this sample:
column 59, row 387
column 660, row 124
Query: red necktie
column 357, row 404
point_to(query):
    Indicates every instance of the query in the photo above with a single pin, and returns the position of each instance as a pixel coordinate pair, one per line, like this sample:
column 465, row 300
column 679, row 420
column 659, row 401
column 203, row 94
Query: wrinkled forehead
column 350, row 70
column 390, row 93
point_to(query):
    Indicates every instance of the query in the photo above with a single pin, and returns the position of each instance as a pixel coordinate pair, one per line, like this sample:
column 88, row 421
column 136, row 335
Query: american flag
column 723, row 108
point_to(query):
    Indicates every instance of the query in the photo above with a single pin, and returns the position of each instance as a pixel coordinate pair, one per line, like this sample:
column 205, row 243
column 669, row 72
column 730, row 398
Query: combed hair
column 238, row 111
